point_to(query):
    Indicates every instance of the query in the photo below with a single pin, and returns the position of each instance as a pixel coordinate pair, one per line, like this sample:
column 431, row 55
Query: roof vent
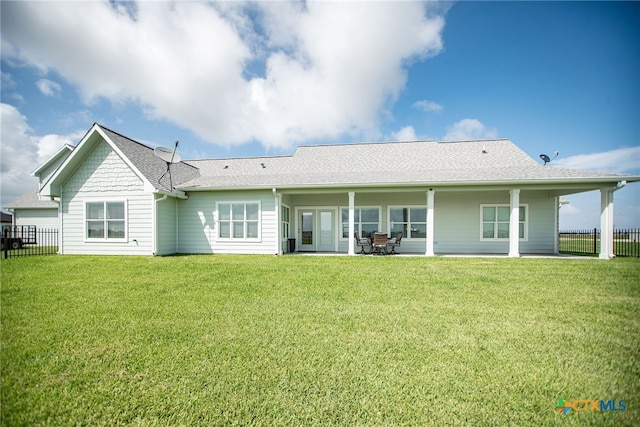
column 263, row 165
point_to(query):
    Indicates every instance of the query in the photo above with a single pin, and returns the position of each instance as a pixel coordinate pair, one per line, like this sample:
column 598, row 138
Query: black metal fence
column 626, row 242
column 27, row 240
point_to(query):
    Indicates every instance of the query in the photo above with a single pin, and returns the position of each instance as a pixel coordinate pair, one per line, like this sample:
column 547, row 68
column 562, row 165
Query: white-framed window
column 411, row 221
column 105, row 220
column 285, row 220
column 494, row 222
column 239, row 220
column 365, row 221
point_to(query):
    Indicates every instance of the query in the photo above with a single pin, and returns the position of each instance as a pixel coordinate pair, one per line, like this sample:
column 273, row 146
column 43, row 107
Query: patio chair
column 362, row 243
column 395, row 243
column 379, row 243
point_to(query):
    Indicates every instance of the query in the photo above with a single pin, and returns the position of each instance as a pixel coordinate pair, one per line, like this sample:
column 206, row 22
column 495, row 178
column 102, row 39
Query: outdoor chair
column 379, row 243
column 395, row 243
column 362, row 243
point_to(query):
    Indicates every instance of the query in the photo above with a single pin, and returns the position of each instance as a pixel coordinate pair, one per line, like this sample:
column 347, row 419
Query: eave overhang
column 561, row 186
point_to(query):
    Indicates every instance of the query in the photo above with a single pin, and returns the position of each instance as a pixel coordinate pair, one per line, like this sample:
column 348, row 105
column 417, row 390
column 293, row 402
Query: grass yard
column 293, row 340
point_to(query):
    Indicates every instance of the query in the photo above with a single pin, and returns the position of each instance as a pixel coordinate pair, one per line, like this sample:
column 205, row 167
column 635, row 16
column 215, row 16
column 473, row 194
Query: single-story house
column 32, row 209
column 468, row 197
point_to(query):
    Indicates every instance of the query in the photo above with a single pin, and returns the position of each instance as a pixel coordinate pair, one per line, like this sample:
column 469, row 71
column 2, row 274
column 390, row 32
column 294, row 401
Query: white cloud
column 21, row 152
column 469, row 129
column 407, row 133
column 584, row 209
column 621, row 160
column 49, row 144
column 427, row 105
column 48, row 87
column 291, row 72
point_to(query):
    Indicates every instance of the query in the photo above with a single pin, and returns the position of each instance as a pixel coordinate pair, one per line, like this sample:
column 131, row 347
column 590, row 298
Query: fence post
column 595, row 240
column 6, row 242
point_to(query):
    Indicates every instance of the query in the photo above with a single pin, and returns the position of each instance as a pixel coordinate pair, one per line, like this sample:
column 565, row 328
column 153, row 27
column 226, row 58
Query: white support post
column 556, row 226
column 352, row 228
column 430, row 224
column 278, row 223
column 514, row 224
column 606, row 223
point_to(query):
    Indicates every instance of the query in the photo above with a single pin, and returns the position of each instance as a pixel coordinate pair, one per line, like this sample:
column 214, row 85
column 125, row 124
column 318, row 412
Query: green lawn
column 293, row 340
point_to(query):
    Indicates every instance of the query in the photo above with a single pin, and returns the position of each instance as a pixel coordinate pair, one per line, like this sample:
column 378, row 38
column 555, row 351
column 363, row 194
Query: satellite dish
column 169, row 156
column 546, row 159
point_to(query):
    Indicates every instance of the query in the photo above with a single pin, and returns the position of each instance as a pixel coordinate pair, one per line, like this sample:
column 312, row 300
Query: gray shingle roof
column 30, row 200
column 401, row 163
column 149, row 164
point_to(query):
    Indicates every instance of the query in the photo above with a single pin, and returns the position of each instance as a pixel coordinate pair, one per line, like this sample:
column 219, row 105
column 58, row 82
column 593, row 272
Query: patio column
column 352, row 228
column 514, row 223
column 606, row 223
column 556, row 226
column 430, row 225
column 278, row 200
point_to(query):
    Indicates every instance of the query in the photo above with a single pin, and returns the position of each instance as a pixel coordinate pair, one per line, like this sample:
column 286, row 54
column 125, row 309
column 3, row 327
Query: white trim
column 104, row 201
column 505, row 239
column 238, row 239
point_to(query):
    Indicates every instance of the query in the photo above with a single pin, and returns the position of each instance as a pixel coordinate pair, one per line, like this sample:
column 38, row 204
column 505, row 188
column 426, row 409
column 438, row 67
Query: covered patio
column 443, row 221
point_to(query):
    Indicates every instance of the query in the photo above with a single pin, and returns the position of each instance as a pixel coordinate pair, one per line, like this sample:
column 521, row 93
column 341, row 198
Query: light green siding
column 105, row 176
column 166, row 216
column 198, row 228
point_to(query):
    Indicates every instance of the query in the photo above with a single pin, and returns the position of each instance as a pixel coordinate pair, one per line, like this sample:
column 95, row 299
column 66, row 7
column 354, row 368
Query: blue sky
column 239, row 79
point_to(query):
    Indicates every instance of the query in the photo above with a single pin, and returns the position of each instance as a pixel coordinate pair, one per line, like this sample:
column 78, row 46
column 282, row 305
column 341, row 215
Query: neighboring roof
column 30, row 200
column 393, row 163
column 5, row 217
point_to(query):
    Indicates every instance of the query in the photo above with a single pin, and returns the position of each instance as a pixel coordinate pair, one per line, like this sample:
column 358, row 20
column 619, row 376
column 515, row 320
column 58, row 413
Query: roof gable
column 139, row 157
column 62, row 153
